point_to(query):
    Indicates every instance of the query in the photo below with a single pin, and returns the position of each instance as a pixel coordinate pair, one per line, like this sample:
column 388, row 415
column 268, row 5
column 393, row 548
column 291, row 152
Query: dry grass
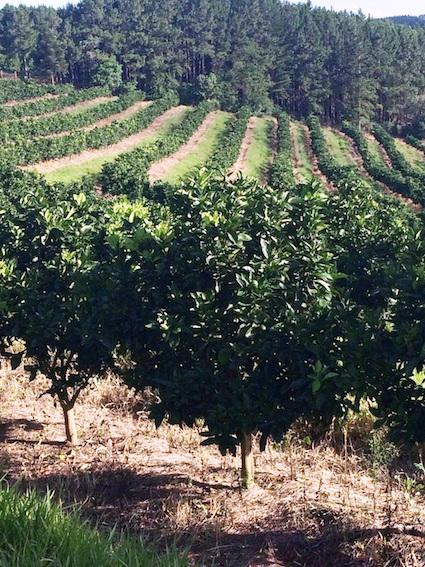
column 316, row 504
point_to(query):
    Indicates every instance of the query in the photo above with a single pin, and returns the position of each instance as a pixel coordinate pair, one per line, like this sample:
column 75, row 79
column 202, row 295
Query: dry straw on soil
column 315, row 505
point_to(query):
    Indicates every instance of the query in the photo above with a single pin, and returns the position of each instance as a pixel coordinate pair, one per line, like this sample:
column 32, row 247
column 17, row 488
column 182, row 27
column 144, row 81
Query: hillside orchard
column 238, row 237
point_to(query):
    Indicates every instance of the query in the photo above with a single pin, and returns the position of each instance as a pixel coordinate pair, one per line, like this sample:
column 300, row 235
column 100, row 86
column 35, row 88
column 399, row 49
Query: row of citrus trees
column 16, row 130
column 21, row 90
column 68, row 97
column 402, row 179
column 128, row 174
column 25, row 152
column 246, row 309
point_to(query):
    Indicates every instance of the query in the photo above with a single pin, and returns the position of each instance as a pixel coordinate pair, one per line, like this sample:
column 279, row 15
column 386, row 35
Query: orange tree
column 52, row 288
column 229, row 308
column 378, row 246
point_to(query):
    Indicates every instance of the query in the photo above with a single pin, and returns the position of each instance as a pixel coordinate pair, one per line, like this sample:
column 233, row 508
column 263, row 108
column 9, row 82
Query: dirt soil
column 314, row 506
column 240, row 164
column 160, row 169
column 122, row 146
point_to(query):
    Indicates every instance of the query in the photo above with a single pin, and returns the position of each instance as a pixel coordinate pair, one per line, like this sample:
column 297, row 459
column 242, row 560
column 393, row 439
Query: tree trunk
column 247, row 454
column 70, row 426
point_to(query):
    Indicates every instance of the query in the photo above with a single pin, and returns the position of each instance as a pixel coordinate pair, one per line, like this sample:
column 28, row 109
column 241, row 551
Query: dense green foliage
column 228, row 145
column 51, row 272
column 19, row 90
column 282, row 173
column 245, row 308
column 36, row 531
column 307, row 60
column 241, row 285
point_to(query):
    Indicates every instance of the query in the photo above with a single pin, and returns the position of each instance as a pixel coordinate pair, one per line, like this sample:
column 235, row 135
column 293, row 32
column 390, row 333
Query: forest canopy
column 244, row 52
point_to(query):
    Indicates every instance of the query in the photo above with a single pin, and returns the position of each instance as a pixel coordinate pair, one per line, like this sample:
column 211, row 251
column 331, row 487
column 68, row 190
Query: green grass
column 34, row 531
column 259, row 152
column 305, row 167
column 339, row 147
column 203, row 150
column 71, row 173
column 411, row 154
column 375, row 150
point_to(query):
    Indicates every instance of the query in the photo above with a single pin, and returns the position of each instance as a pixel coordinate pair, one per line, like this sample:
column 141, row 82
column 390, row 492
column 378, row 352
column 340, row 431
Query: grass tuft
column 36, row 531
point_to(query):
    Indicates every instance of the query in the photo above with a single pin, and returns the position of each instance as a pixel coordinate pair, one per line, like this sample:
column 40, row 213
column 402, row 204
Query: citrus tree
column 52, row 286
column 229, row 318
column 378, row 247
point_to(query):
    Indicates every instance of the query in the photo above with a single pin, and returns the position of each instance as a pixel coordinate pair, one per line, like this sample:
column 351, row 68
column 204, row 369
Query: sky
column 376, row 8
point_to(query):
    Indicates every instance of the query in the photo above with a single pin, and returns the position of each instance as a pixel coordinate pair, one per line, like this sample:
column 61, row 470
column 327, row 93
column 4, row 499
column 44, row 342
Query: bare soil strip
column 240, row 164
column 120, row 147
column 160, row 169
column 12, row 103
column 118, row 116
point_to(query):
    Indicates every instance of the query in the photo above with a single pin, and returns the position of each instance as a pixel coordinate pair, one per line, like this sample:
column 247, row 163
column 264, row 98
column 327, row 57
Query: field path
column 129, row 474
column 160, row 168
column 115, row 149
column 12, row 103
column 296, row 158
column 301, row 153
column 240, row 164
column 274, row 125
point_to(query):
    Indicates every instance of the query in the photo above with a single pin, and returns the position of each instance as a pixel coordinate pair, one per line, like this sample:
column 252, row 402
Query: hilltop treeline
column 244, row 52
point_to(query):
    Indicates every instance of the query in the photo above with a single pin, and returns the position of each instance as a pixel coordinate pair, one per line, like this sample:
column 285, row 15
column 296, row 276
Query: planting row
column 225, row 298
column 129, row 172
column 398, row 160
column 36, row 108
column 16, row 130
column 227, row 147
column 21, row 90
column 27, row 152
column 392, row 178
column 282, row 171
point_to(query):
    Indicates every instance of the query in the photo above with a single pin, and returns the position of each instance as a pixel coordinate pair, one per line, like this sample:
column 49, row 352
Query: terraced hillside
column 68, row 135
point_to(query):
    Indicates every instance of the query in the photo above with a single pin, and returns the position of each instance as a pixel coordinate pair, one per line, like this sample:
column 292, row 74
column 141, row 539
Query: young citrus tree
column 229, row 322
column 53, row 290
